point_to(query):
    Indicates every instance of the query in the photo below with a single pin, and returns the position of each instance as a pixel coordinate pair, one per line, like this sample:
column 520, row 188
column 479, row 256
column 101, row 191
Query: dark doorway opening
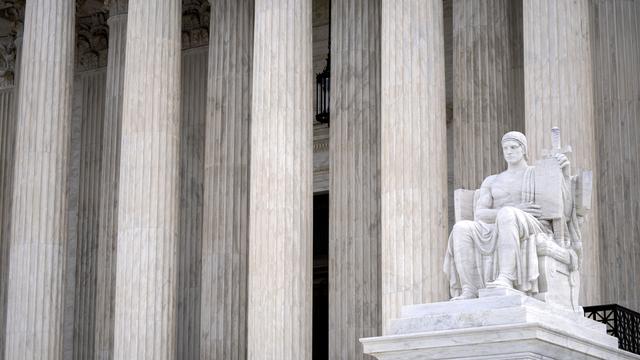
column 320, row 276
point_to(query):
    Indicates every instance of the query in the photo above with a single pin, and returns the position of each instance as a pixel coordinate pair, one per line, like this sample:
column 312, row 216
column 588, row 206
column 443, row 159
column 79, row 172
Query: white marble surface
column 225, row 238
column 35, row 302
column 281, row 167
column 558, row 82
column 500, row 324
column 110, row 173
column 354, row 186
column 413, row 165
column 148, row 195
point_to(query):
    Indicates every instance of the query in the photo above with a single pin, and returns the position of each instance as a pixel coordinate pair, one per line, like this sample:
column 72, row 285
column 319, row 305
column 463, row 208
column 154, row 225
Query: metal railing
column 621, row 322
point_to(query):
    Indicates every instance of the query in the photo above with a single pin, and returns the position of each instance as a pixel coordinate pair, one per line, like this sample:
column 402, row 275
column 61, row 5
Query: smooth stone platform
column 500, row 324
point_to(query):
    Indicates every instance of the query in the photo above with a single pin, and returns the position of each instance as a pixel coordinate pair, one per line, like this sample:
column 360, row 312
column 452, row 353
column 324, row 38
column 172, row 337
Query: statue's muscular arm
column 484, row 208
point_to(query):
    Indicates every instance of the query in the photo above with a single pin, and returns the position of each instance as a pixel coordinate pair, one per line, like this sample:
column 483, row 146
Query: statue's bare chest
column 506, row 189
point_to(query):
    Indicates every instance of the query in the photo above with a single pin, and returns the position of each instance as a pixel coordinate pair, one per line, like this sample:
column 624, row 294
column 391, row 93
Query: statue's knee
column 462, row 228
column 506, row 215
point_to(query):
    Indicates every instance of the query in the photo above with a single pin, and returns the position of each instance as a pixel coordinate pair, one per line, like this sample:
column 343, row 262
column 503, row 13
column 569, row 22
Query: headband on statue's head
column 517, row 137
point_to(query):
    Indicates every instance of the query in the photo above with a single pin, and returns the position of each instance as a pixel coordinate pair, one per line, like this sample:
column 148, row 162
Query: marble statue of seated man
column 498, row 248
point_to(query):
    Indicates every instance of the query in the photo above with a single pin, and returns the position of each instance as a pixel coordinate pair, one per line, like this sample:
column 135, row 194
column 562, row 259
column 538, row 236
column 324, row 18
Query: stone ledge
column 514, row 341
column 501, row 324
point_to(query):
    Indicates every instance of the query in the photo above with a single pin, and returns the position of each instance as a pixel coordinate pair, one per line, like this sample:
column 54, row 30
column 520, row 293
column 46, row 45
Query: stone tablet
column 548, row 188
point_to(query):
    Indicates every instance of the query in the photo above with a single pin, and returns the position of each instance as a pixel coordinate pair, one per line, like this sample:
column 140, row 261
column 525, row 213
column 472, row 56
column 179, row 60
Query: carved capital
column 93, row 41
column 7, row 61
column 116, row 7
column 11, row 11
column 195, row 23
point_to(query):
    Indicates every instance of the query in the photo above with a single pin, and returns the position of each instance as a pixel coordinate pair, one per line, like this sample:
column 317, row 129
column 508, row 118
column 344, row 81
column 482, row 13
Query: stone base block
column 500, row 324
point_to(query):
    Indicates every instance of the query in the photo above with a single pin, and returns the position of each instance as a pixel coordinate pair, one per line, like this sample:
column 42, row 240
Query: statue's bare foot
column 466, row 295
column 500, row 282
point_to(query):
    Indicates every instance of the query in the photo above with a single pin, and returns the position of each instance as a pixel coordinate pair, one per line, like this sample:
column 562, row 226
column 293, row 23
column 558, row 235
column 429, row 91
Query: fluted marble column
column 145, row 319
column 192, row 153
column 108, row 225
column 8, row 123
column 38, row 235
column 488, row 88
column 91, row 94
column 354, row 183
column 280, row 211
column 226, row 201
column 414, row 155
column 7, row 143
column 559, row 92
column 616, row 50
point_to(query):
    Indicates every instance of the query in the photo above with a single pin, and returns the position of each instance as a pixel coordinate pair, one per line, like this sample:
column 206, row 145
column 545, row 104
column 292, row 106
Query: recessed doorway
column 321, row 276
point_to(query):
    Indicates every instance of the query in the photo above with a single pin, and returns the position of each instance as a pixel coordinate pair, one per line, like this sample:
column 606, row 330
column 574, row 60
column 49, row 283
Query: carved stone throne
column 559, row 280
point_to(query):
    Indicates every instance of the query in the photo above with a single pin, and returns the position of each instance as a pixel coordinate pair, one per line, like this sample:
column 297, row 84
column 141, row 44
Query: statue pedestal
column 500, row 324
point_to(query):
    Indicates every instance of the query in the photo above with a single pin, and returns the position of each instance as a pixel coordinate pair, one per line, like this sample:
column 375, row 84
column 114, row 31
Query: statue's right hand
column 531, row 208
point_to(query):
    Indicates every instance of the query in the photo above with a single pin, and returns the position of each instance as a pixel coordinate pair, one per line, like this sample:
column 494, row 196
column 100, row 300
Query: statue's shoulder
column 489, row 180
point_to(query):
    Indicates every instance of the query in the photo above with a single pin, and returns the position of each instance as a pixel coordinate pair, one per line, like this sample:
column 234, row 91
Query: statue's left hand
column 563, row 162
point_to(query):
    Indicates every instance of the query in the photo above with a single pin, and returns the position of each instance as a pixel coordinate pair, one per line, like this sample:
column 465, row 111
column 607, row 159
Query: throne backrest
column 464, row 204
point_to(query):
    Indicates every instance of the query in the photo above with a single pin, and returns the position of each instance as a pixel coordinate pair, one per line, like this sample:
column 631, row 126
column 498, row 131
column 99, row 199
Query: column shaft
column 616, row 50
column 488, row 87
column 192, row 152
column 8, row 124
column 280, row 237
column 145, row 320
column 91, row 121
column 559, row 92
column 7, row 143
column 38, row 235
column 108, row 225
column 414, row 155
column 354, row 185
column 226, row 204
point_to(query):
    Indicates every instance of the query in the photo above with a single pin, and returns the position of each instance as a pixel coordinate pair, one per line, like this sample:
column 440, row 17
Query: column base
column 500, row 324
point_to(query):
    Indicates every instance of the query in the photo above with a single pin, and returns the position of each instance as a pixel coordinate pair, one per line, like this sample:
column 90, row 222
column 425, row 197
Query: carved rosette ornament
column 195, row 23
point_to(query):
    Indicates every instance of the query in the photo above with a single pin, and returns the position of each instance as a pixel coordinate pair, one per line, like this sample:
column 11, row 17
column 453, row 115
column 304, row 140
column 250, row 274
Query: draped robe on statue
column 472, row 259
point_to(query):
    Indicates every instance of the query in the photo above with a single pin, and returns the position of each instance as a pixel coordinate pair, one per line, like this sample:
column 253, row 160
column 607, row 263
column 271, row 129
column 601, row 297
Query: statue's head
column 514, row 147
